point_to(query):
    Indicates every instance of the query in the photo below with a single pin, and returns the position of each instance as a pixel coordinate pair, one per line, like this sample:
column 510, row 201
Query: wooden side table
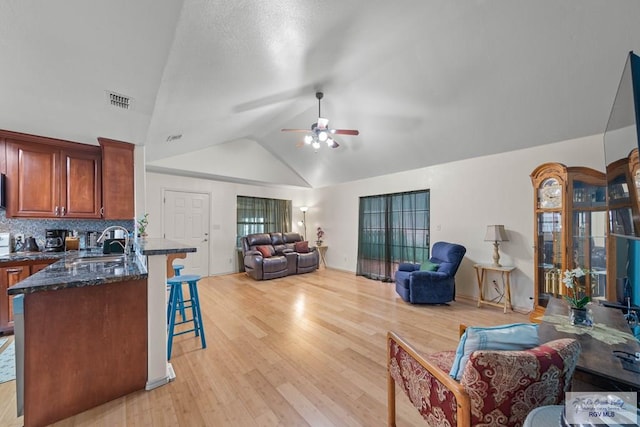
column 322, row 250
column 505, row 273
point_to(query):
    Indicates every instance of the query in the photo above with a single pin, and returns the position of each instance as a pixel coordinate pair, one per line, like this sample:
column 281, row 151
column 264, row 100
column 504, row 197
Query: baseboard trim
column 473, row 299
column 157, row 383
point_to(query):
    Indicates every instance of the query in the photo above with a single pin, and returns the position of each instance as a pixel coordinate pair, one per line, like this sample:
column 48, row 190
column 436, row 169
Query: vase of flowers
column 319, row 235
column 579, row 313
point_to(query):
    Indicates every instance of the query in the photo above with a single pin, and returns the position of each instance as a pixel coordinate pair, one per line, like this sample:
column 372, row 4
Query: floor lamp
column 304, row 210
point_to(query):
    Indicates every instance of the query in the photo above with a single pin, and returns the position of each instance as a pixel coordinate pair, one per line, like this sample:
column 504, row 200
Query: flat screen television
column 621, row 146
column 621, row 143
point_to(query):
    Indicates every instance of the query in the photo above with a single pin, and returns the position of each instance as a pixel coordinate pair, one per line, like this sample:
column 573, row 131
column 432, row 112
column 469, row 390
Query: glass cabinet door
column 589, row 250
column 588, row 236
column 620, row 206
column 549, row 244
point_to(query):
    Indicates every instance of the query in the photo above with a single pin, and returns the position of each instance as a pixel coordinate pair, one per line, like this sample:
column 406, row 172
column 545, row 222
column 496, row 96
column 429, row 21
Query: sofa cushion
column 302, row 247
column 448, row 256
column 276, row 239
column 266, row 251
column 275, row 264
column 429, row 266
column 291, row 237
column 515, row 336
column 258, row 239
column 307, row 261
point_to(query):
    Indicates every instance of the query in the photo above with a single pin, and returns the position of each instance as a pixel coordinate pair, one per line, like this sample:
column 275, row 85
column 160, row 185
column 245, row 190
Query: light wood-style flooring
column 305, row 350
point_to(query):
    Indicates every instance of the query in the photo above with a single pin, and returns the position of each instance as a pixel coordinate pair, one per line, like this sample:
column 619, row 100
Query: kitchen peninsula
column 159, row 254
column 94, row 329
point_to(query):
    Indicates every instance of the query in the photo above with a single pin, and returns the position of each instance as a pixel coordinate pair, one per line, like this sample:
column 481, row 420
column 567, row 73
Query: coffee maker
column 54, row 240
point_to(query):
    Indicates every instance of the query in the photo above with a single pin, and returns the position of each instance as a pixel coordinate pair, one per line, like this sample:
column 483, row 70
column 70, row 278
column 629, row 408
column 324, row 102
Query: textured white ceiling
column 425, row 82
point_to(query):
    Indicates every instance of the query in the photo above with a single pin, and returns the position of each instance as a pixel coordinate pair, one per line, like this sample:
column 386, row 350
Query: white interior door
column 186, row 220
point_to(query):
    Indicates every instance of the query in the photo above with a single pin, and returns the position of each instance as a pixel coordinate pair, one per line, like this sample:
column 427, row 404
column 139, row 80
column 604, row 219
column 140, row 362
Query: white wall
column 222, row 253
column 466, row 196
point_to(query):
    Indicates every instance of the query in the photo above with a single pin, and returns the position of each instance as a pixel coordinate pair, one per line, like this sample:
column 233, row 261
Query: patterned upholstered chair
column 497, row 388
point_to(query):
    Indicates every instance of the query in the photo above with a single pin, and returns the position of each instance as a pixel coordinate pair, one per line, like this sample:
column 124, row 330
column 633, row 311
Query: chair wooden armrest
column 461, row 329
column 398, row 348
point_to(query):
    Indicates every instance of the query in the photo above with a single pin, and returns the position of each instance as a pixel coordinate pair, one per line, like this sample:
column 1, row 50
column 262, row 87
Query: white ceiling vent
column 119, row 101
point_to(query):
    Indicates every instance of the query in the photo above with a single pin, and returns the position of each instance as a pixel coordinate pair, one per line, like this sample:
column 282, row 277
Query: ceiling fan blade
column 295, row 130
column 334, row 144
column 345, row 131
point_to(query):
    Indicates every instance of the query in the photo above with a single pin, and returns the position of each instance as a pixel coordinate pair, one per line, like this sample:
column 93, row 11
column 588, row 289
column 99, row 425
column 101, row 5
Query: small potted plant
column 319, row 234
column 576, row 298
column 142, row 226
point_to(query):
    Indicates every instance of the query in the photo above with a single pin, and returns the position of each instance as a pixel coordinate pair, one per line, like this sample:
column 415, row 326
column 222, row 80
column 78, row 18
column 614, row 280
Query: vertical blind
column 393, row 228
column 260, row 215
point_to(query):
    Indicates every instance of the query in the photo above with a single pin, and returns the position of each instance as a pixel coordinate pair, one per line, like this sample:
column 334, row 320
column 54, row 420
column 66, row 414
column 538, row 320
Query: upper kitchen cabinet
column 49, row 178
column 117, row 179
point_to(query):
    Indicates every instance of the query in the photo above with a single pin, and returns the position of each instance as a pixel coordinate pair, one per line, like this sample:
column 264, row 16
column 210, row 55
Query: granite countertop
column 68, row 273
column 158, row 246
column 32, row 256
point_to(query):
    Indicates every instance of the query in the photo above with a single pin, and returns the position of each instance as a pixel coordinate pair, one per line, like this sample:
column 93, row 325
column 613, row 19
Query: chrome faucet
column 116, row 227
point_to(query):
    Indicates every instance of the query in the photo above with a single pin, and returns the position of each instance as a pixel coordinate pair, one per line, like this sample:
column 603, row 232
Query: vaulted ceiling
column 212, row 82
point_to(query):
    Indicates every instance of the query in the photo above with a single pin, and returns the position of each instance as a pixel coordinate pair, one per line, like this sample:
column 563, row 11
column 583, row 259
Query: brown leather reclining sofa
column 272, row 255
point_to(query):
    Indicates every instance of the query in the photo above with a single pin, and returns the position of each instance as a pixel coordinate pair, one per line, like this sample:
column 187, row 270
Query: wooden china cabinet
column 570, row 229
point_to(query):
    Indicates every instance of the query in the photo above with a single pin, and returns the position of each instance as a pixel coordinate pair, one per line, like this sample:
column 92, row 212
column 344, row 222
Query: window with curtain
column 393, row 228
column 260, row 215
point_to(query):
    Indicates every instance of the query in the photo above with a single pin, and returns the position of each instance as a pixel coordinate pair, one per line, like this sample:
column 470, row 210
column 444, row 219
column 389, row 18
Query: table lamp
column 496, row 234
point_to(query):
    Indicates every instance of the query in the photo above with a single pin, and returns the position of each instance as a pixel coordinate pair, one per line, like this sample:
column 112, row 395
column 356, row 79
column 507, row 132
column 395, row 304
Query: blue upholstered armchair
column 434, row 286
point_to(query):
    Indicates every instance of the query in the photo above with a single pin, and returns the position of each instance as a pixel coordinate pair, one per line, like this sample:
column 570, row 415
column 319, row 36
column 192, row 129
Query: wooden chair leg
column 391, row 400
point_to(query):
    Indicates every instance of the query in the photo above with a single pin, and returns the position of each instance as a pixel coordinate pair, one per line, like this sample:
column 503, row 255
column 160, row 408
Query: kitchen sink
column 93, row 259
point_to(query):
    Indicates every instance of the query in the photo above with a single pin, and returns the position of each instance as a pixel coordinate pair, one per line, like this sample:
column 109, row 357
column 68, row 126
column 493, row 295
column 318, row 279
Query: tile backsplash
column 36, row 227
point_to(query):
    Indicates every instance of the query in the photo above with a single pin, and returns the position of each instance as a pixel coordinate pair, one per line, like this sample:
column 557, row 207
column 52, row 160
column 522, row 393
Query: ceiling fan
column 320, row 131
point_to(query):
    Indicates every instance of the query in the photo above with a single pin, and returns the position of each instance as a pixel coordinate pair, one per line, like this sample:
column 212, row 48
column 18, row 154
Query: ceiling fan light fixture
column 321, row 132
column 322, row 123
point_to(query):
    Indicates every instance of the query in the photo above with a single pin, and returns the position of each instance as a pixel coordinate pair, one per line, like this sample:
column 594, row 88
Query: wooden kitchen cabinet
column 81, row 183
column 118, row 179
column 9, row 276
column 49, row 178
column 34, row 268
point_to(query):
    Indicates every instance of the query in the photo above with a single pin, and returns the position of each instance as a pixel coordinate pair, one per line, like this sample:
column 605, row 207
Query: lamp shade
column 304, row 208
column 496, row 233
